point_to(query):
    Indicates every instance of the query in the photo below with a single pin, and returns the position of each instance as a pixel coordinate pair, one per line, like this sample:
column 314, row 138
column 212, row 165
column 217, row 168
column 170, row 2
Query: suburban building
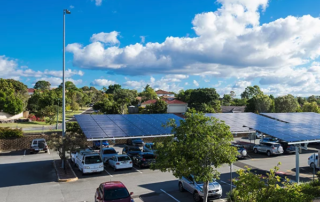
column 162, row 93
column 233, row 109
column 30, row 91
column 173, row 105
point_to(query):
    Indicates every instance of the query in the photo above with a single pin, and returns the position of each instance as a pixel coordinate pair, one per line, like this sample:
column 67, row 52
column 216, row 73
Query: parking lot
column 31, row 177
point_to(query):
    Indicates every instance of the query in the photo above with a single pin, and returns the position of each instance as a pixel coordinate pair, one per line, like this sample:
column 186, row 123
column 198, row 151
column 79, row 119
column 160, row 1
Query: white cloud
column 143, row 39
column 71, row 6
column 195, row 83
column 238, row 87
column 68, row 73
column 186, row 83
column 98, row 2
column 102, row 82
column 108, row 38
column 56, row 81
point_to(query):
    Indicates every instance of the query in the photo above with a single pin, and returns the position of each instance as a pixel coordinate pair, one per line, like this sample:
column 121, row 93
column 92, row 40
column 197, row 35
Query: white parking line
column 137, row 170
column 226, row 183
column 108, row 173
column 48, row 151
column 170, row 195
column 24, row 152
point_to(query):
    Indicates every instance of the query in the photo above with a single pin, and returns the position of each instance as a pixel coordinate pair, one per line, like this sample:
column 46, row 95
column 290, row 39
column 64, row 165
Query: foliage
column 250, row 92
column 17, row 88
column 185, row 95
column 208, row 96
column 112, row 88
column 239, row 102
column 301, row 100
column 226, row 100
column 232, row 94
column 69, row 85
column 263, row 103
column 310, row 107
column 73, row 127
column 148, row 93
column 72, row 141
column 251, row 187
column 9, row 103
column 286, row 103
column 8, row 133
column 159, row 107
column 74, row 106
column 202, row 145
column 42, row 85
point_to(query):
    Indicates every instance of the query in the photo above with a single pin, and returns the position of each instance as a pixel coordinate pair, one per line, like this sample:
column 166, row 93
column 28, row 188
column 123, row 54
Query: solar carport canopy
column 300, row 127
column 116, row 126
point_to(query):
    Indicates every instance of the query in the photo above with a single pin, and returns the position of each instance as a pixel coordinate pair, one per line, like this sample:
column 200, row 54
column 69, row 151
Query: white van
column 88, row 162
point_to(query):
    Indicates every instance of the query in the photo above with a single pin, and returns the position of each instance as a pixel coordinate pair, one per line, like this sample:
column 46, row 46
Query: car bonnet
column 212, row 185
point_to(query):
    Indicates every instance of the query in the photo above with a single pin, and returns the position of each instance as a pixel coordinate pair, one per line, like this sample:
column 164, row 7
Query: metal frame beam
column 128, row 137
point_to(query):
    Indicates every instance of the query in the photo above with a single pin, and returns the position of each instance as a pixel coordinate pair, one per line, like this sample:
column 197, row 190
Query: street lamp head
column 67, row 11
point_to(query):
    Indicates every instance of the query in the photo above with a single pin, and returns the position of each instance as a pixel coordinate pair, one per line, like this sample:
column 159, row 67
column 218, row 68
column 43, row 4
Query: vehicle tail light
column 130, row 162
column 117, row 163
column 143, row 159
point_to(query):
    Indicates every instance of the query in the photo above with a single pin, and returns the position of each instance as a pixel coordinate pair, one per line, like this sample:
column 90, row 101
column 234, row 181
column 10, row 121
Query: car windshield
column 123, row 158
column 134, row 149
column 148, row 156
column 92, row 159
column 114, row 194
column 109, row 151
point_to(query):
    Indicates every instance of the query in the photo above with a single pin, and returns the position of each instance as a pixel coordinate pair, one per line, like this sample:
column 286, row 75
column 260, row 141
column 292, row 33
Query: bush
column 8, row 133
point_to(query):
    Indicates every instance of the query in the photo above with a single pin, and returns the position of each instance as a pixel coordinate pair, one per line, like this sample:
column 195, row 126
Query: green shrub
column 318, row 175
column 8, row 133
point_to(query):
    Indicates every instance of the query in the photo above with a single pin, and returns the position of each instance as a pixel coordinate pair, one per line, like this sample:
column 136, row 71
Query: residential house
column 162, row 93
column 30, row 91
column 173, row 105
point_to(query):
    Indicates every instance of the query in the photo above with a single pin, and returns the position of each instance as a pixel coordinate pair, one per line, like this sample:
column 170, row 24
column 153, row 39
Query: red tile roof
column 165, row 96
column 30, row 90
column 175, row 101
column 162, row 92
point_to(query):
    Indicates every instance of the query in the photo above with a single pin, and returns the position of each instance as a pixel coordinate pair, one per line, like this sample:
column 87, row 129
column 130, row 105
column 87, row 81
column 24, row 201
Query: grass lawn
column 69, row 115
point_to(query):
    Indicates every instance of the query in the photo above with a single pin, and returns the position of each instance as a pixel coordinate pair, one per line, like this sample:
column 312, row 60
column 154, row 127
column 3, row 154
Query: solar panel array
column 129, row 125
column 304, row 126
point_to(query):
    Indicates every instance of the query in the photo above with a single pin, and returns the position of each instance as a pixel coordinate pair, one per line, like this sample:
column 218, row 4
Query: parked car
column 88, row 161
column 96, row 144
column 107, row 153
column 313, row 161
column 135, row 142
column 196, row 188
column 269, row 139
column 241, row 150
column 113, row 191
column 258, row 135
column 287, row 148
column 38, row 145
column 148, row 147
column 144, row 159
column 120, row 162
column 270, row 148
column 131, row 151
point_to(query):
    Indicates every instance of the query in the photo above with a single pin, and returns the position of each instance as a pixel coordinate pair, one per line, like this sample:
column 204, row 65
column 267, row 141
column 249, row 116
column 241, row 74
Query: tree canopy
column 286, row 103
column 251, row 91
column 42, row 85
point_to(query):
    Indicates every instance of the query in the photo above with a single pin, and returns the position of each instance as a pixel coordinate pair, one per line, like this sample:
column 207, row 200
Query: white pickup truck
column 87, row 161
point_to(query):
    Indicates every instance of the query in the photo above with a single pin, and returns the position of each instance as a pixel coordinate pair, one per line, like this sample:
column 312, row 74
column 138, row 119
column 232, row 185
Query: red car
column 112, row 191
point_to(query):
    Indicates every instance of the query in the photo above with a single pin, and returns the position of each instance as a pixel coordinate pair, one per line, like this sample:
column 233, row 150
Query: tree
column 263, row 103
column 310, row 107
column 85, row 88
column 69, row 86
column 250, row 92
column 232, row 94
column 286, row 103
column 74, row 106
column 239, row 102
column 42, row 85
column 17, row 89
column 185, row 95
column 301, row 100
column 112, row 88
column 226, row 100
column 312, row 98
column 50, row 113
column 159, row 107
column 208, row 96
column 148, row 93
column 254, row 187
column 9, row 103
column 201, row 145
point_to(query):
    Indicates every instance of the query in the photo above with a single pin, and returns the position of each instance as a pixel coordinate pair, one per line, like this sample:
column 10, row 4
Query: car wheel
column 196, row 197
column 255, row 151
column 312, row 165
column 268, row 153
column 181, row 189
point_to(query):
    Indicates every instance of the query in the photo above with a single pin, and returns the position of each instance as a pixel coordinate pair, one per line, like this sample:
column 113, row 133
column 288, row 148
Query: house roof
column 175, row 101
column 30, row 90
column 165, row 96
column 233, row 109
column 162, row 92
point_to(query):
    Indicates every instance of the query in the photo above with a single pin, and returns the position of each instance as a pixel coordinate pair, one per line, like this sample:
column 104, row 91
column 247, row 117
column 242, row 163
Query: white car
column 196, row 188
column 89, row 162
column 120, row 162
column 107, row 153
column 313, row 162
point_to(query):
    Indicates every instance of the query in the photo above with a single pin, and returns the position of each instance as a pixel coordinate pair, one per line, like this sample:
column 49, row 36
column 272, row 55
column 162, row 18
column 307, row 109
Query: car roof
column 113, row 184
column 143, row 153
column 108, row 148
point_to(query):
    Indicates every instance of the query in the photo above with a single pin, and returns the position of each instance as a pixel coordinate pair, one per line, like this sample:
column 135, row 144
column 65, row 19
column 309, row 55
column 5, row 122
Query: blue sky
column 172, row 45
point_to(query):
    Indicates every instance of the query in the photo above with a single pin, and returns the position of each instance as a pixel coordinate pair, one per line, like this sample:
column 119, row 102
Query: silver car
column 270, row 148
column 191, row 185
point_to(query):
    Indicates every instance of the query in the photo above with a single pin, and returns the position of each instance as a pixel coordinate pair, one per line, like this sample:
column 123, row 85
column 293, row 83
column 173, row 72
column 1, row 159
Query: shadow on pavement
column 12, row 153
column 26, row 173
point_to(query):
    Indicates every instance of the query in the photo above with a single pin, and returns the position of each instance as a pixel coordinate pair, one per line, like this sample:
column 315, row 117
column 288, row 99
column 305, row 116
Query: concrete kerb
column 68, row 179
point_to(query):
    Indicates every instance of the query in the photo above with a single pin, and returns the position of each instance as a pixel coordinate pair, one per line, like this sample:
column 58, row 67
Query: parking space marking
column 48, row 151
column 137, row 170
column 108, row 173
column 170, row 195
column 227, row 183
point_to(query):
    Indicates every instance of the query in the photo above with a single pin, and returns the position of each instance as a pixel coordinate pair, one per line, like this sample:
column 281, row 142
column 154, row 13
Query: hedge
column 8, row 133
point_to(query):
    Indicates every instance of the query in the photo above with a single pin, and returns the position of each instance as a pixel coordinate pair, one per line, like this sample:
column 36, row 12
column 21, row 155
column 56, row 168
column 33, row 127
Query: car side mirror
column 131, row 193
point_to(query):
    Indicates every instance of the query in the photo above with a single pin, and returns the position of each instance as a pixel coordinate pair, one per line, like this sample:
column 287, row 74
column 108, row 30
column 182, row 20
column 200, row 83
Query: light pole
column 65, row 11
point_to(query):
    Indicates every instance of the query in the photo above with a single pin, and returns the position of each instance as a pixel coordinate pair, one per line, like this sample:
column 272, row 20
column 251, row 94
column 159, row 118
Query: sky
column 170, row 45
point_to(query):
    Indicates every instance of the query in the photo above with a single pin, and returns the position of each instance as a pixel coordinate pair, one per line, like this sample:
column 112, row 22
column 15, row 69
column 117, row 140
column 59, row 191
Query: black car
column 144, row 159
column 135, row 142
column 287, row 148
column 131, row 151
